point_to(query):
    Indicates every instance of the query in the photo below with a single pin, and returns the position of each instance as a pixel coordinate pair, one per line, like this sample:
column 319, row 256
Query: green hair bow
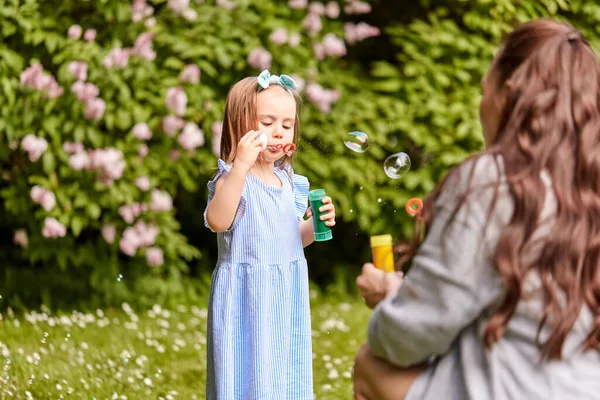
column 265, row 79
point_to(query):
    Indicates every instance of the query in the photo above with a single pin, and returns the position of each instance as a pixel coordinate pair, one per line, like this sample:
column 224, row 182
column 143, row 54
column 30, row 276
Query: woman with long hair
column 502, row 300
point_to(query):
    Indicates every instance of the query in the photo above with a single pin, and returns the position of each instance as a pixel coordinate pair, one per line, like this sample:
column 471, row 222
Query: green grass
column 151, row 354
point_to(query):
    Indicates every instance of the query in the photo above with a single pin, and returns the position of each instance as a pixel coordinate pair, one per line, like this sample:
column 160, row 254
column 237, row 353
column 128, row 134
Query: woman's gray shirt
column 442, row 308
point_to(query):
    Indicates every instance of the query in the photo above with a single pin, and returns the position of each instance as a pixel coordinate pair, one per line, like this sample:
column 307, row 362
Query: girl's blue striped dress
column 259, row 332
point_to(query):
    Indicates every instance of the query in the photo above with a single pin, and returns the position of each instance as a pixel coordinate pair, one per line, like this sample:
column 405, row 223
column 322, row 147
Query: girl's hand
column 328, row 207
column 248, row 150
column 375, row 285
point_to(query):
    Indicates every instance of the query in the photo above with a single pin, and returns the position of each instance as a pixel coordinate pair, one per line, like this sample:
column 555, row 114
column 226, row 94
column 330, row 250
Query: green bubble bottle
column 322, row 231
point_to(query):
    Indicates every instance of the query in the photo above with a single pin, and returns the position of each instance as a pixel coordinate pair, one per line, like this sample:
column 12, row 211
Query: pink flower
column 191, row 74
column 333, row 46
column 226, row 4
column 85, row 91
column 129, row 242
column 129, row 212
column 146, row 233
column 171, row 124
column 357, row 7
column 34, row 77
column 160, row 201
column 89, row 35
column 109, row 232
column 312, row 23
column 319, row 51
column 78, row 69
column 357, row 32
column 117, row 58
column 316, row 8
column 174, row 154
column 192, row 137
column 20, row 238
column 53, row 90
column 43, row 197
column 154, row 256
column 142, row 131
column 332, row 10
column 143, row 151
column 294, row 39
column 143, row 183
column 80, row 160
column 140, row 10
column 178, row 6
column 109, row 161
column 150, row 22
column 53, row 229
column 279, row 36
column 74, row 32
column 95, row 109
column 176, row 100
column 298, row 4
column 34, row 146
column 217, row 129
column 322, row 98
column 190, row 14
column 143, row 46
column 260, row 58
column 31, row 75
column 72, row 147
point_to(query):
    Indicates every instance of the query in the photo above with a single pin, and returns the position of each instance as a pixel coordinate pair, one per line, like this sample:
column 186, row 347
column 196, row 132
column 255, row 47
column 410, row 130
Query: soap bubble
column 396, row 165
column 119, row 277
column 357, row 141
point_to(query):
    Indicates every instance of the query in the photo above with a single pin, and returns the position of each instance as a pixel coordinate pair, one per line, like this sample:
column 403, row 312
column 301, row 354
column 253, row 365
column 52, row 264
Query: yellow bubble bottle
column 383, row 253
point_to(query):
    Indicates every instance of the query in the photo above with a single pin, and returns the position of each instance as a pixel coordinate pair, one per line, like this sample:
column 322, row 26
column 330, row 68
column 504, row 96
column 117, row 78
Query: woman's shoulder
column 477, row 172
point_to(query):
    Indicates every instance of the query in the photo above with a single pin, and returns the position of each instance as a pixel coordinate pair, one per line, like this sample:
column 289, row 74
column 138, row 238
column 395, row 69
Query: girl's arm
column 221, row 210
column 307, row 231
column 228, row 192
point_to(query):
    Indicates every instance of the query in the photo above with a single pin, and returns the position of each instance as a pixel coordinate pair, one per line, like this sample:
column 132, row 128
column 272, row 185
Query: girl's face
column 492, row 103
column 276, row 117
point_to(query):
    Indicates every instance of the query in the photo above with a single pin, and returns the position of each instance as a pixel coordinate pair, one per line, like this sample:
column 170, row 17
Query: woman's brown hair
column 550, row 122
column 240, row 117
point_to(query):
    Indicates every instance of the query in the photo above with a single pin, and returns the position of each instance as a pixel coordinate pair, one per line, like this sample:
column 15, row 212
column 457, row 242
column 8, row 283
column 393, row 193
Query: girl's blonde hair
column 241, row 116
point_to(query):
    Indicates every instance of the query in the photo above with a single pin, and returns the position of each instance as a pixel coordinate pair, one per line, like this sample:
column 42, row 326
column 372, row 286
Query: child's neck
column 264, row 172
column 263, row 166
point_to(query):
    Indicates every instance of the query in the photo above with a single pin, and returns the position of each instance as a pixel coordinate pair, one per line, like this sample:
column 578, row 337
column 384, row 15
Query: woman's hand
column 375, row 285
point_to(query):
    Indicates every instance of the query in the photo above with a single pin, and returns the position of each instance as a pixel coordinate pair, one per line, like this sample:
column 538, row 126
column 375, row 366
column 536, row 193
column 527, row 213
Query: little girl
column 259, row 328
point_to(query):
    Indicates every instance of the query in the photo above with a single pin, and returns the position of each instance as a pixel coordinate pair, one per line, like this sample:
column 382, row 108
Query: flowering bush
column 107, row 108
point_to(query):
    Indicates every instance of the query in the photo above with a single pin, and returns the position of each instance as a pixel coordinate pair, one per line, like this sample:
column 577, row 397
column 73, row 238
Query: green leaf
column 123, row 119
column 174, row 63
column 48, row 162
column 77, row 224
column 93, row 211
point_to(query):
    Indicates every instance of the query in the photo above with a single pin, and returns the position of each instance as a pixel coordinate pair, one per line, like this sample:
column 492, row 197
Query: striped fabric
column 259, row 333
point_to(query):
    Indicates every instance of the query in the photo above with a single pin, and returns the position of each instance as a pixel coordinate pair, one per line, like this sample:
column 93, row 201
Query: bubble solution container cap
column 316, row 194
column 381, row 240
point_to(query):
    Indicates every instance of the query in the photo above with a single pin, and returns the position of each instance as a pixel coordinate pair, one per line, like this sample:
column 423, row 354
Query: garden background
column 110, row 116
